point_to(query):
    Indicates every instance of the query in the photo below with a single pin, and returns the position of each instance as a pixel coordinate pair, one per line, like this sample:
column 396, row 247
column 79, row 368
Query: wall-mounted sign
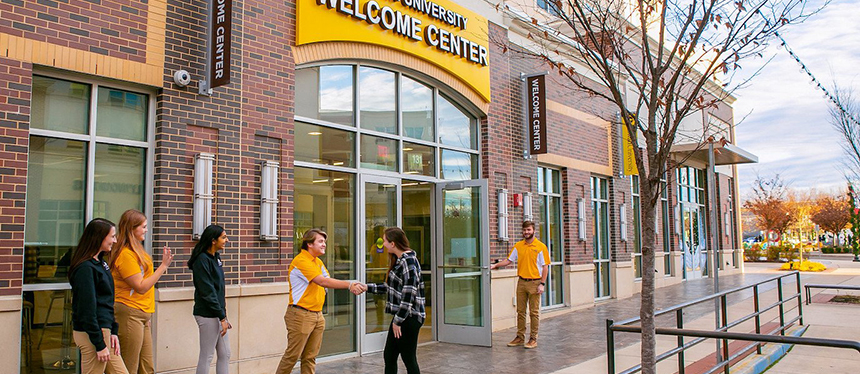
column 627, row 152
column 441, row 32
column 535, row 113
column 218, row 45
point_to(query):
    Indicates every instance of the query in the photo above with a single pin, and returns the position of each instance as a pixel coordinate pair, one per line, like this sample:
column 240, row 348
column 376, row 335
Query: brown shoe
column 516, row 342
column 531, row 344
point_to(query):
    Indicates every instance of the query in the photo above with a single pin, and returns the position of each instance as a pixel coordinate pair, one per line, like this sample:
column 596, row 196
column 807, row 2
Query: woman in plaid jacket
column 405, row 301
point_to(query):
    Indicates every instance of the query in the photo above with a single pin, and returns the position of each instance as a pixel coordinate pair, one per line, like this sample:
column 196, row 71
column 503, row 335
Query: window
column 667, row 236
column 600, row 237
column 551, row 6
column 549, row 226
column 88, row 156
column 637, row 226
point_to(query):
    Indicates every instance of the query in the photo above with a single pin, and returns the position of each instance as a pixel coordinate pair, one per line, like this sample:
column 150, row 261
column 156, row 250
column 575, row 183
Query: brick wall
column 116, row 28
column 15, row 88
column 243, row 124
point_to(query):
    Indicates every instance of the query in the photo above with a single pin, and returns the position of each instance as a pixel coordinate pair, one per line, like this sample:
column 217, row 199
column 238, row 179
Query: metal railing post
column 757, row 317
column 799, row 299
column 610, row 346
column 679, row 318
column 724, row 307
column 781, row 307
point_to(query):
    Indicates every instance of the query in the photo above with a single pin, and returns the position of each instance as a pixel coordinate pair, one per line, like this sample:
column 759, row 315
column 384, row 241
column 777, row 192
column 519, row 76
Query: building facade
column 345, row 118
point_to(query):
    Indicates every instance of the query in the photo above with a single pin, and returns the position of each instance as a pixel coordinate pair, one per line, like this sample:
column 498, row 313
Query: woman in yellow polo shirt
column 134, row 279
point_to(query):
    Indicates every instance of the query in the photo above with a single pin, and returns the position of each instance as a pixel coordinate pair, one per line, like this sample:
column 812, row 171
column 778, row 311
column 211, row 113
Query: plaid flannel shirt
column 404, row 288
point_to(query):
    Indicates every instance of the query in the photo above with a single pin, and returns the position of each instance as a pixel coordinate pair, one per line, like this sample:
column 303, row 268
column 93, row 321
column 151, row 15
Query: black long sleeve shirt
column 209, row 298
column 92, row 301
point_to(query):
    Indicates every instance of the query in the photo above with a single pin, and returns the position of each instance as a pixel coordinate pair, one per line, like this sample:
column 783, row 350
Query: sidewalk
column 565, row 340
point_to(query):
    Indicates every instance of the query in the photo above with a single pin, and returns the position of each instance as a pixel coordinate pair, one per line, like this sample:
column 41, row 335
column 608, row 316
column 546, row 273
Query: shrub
column 753, row 254
column 806, row 266
column 826, row 250
column 773, row 253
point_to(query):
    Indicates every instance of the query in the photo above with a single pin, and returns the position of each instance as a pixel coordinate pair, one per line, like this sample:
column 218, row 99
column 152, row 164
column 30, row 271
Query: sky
column 784, row 119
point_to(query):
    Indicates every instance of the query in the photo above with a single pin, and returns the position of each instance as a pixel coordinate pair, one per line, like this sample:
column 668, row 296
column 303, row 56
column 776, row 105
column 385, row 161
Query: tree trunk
column 649, row 239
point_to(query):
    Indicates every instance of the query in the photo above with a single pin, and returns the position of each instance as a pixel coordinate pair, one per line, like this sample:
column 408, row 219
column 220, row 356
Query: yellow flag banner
column 627, row 145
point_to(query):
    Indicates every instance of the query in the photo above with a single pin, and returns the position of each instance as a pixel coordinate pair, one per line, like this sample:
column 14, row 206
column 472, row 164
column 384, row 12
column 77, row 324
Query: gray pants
column 210, row 342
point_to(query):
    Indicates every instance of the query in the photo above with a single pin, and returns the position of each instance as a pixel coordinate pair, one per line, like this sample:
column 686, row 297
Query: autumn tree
column 833, row 213
column 657, row 63
column 769, row 204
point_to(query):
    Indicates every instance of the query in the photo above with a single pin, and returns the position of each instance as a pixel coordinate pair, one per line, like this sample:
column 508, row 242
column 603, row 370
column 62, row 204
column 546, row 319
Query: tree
column 657, row 62
column 844, row 114
column 770, row 206
column 833, row 213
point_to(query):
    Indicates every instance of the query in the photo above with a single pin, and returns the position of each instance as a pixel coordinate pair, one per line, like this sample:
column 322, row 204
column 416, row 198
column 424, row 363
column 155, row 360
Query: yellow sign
column 438, row 31
column 627, row 145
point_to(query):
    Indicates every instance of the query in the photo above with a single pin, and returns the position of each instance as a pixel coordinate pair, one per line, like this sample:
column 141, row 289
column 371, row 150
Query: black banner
column 536, row 114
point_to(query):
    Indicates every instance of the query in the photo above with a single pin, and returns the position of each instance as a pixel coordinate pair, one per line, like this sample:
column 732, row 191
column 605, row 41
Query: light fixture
column 527, row 207
column 622, row 216
column 503, row 214
column 727, row 223
column 339, row 163
column 407, row 149
column 319, row 181
column 269, row 201
column 580, row 211
column 315, row 133
column 202, row 194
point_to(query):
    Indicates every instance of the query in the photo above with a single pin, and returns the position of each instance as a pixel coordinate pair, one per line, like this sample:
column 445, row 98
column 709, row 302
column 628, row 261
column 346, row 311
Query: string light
column 827, row 95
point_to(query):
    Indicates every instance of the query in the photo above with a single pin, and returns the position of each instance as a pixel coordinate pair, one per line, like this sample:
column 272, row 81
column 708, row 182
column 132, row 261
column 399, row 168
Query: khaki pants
column 90, row 363
column 135, row 338
column 304, row 338
column 527, row 293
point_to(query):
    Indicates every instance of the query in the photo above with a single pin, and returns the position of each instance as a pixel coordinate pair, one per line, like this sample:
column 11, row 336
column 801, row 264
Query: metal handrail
column 721, row 333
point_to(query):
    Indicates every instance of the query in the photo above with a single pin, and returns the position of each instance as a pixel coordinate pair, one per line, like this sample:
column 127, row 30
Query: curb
column 757, row 364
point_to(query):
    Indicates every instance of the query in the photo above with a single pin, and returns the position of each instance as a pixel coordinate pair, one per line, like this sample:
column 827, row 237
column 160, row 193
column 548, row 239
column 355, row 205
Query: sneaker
column 531, row 344
column 516, row 342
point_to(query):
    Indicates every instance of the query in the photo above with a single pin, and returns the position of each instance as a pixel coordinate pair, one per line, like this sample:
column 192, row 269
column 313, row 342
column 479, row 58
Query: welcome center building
column 273, row 117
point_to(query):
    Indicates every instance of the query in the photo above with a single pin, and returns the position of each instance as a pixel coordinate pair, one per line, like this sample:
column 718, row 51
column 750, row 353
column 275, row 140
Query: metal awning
column 724, row 154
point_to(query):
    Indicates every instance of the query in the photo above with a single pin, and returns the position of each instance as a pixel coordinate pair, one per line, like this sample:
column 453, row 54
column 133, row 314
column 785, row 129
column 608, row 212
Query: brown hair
column 528, row 224
column 398, row 237
column 91, row 242
column 310, row 236
column 130, row 220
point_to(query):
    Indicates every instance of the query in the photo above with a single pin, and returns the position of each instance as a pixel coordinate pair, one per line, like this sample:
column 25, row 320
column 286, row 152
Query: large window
column 88, row 155
column 600, row 236
column 549, row 223
column 667, row 237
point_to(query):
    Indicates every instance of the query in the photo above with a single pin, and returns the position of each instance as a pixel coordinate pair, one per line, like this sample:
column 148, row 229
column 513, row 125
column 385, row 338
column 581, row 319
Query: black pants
column 404, row 347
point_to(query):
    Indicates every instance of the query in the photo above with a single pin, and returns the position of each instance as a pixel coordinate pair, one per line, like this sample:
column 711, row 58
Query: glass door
column 462, row 266
column 600, row 237
column 381, row 203
column 693, row 242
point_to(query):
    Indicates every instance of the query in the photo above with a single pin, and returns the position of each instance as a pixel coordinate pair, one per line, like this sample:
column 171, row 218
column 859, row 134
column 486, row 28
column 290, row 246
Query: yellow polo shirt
column 530, row 258
column 303, row 292
column 126, row 265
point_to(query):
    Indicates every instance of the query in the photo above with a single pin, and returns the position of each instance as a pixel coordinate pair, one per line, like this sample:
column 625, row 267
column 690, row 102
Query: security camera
column 182, row 78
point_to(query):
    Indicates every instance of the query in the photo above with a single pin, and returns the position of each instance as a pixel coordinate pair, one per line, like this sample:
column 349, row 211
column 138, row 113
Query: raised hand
column 166, row 256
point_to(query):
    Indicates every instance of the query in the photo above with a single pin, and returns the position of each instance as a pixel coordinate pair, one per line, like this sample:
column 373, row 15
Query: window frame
column 546, row 198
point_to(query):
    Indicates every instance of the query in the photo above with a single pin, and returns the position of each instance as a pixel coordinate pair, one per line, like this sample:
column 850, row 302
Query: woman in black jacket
column 210, row 307
column 93, row 321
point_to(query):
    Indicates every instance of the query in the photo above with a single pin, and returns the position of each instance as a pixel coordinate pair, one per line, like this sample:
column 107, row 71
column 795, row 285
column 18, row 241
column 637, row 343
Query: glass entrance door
column 462, row 266
column 693, row 242
column 381, row 197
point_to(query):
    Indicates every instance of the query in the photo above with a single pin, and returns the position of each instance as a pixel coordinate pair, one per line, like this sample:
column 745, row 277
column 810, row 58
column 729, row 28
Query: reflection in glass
column 46, row 336
column 459, row 165
column 119, row 180
column 324, row 200
column 556, row 295
column 380, row 206
column 56, row 184
column 326, row 93
column 416, row 210
column 324, row 145
column 455, row 127
column 378, row 153
column 417, row 107
column 121, row 114
column 60, row 105
column 461, row 251
column 377, row 100
column 556, row 248
column 418, row 159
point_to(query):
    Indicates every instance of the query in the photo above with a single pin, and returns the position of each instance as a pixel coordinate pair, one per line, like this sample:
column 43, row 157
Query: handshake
column 357, row 288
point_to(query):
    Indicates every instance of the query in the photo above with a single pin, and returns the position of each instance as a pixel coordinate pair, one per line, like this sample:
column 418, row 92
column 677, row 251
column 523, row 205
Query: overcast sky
column 786, row 118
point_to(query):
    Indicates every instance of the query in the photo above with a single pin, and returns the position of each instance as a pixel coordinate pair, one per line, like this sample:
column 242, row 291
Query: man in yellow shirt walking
column 532, row 258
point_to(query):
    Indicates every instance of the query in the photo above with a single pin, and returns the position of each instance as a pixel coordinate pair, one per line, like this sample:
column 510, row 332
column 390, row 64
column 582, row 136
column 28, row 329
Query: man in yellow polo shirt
column 308, row 279
column 532, row 258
